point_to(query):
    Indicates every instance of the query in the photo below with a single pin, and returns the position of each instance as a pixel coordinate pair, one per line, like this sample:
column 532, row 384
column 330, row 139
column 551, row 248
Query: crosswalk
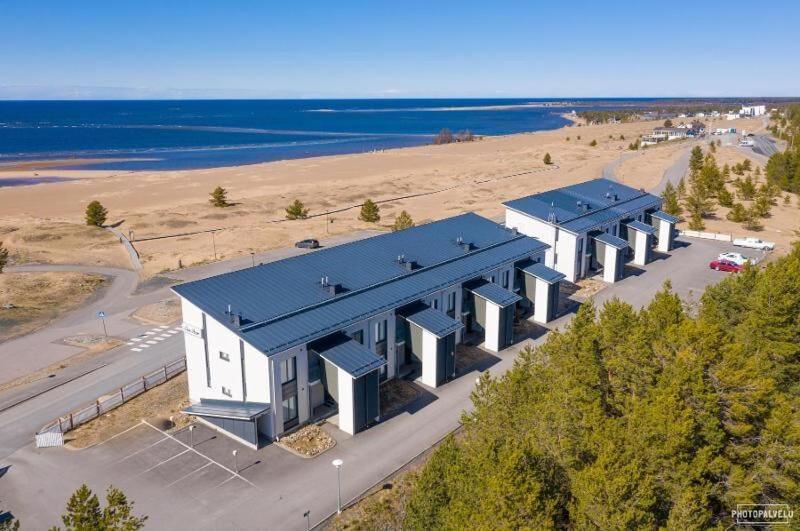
column 152, row 337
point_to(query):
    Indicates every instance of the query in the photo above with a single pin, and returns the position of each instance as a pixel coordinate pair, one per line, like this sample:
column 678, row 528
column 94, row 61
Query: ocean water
column 168, row 135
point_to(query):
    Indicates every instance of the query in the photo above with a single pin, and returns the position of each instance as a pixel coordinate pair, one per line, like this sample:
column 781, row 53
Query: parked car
column 754, row 243
column 307, row 244
column 737, row 258
column 725, row 265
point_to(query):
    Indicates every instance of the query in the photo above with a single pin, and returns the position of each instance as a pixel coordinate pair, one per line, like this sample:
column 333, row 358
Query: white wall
column 664, row 228
column 492, row 329
column 428, row 359
column 566, row 248
column 195, row 352
column 642, row 245
column 346, row 410
column 529, row 226
column 224, row 373
column 541, row 301
column 610, row 264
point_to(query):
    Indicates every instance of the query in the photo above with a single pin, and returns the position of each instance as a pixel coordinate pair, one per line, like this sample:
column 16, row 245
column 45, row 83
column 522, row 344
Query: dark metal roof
column 351, row 356
column 278, row 288
column 541, row 271
column 259, row 286
column 613, row 241
column 495, row 294
column 227, row 409
column 660, row 214
column 584, row 206
column 434, row 321
column 641, row 227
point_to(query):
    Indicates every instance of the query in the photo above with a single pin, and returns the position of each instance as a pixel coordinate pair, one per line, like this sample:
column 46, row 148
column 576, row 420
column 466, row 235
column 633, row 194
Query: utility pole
column 214, row 244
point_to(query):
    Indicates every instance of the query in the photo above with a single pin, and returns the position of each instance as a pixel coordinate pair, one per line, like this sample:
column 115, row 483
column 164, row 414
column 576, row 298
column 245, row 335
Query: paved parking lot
column 180, row 486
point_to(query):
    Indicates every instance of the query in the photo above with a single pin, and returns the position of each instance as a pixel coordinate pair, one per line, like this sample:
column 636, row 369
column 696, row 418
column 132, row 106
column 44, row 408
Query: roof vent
column 411, row 265
column 551, row 216
column 237, row 319
column 334, row 289
column 467, row 246
column 401, row 258
column 459, row 240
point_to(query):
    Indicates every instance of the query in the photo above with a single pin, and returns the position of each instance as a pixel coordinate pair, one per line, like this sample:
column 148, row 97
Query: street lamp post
column 338, row 464
column 307, row 516
column 214, row 244
column 191, row 436
column 235, row 463
column 102, row 316
column 253, row 256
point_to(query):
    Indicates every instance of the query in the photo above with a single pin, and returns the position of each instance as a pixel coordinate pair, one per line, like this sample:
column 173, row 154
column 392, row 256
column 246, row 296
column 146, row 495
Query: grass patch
column 308, row 441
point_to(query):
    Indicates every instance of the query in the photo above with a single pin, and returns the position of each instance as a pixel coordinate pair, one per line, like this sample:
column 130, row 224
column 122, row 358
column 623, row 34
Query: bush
column 634, row 146
column 445, row 136
column 3, row 257
column 403, row 222
column 725, row 197
column 593, row 143
column 296, row 210
column 738, row 213
column 622, row 137
column 548, row 159
column 370, row 212
column 219, row 197
column 96, row 214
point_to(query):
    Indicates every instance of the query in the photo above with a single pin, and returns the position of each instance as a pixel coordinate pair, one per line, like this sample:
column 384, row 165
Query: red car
column 725, row 265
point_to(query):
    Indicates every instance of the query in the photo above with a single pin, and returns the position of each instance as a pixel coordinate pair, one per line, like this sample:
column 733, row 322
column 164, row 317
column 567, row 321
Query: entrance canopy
column 611, row 241
column 435, row 322
column 495, row 294
column 227, row 409
column 542, row 272
column 350, row 356
column 641, row 227
column 659, row 214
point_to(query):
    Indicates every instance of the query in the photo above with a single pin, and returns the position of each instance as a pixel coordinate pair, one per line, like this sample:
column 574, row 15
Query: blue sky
column 434, row 48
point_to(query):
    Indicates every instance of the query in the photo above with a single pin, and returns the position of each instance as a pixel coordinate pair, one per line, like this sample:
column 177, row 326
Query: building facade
column 593, row 226
column 274, row 346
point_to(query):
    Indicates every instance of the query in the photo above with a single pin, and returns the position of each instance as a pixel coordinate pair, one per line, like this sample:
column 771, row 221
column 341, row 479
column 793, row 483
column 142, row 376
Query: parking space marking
column 189, row 474
column 123, row 432
column 164, row 461
column 223, row 467
column 146, row 447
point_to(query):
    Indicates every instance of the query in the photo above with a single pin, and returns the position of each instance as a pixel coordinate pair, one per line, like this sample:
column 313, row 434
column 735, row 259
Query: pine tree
column 548, row 159
column 751, row 220
column 3, row 257
column 219, row 197
column 725, row 198
column 593, row 143
column 681, row 188
column 83, row 511
column 738, row 213
column 118, row 513
column 296, row 210
column 402, row 222
column 370, row 212
column 96, row 214
column 671, row 204
column 695, row 160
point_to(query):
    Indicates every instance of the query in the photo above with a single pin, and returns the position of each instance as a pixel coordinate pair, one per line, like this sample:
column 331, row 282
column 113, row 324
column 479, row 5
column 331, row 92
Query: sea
column 192, row 134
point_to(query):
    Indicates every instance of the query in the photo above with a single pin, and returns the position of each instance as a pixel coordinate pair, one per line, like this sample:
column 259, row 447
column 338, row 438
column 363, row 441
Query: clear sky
column 407, row 48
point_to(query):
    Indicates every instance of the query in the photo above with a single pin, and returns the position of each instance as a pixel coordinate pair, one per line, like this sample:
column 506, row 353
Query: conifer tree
column 219, row 197
column 402, row 222
column 671, row 204
column 3, row 257
column 296, row 210
column 548, row 159
column 96, row 214
column 370, row 212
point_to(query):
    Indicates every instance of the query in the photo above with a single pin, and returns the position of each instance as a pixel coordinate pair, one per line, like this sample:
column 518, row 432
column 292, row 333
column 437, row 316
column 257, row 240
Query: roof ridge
column 352, row 293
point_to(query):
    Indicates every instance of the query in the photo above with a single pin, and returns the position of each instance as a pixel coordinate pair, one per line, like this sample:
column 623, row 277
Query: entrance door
column 445, row 358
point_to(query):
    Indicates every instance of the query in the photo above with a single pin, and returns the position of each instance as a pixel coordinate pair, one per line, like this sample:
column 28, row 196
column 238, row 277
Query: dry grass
column 308, row 441
column 163, row 312
column 469, row 355
column 587, row 288
column 158, row 404
column 396, row 394
column 35, row 299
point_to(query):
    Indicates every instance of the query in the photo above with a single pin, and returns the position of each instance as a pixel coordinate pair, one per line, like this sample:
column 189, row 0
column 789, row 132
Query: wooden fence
column 106, row 403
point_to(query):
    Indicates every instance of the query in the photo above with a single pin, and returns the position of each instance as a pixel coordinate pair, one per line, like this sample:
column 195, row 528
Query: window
column 226, row 391
column 435, row 304
column 224, row 356
column 380, row 331
column 290, row 409
column 505, row 279
column 288, row 370
column 358, row 336
column 614, row 230
column 451, row 301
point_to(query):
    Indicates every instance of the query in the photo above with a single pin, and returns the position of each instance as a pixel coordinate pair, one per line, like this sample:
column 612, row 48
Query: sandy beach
column 44, row 222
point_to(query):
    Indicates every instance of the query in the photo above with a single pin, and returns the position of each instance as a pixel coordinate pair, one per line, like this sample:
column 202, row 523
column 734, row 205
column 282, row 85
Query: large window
column 505, row 279
column 288, row 370
column 451, row 304
column 380, row 344
column 290, row 409
column 358, row 336
column 380, row 331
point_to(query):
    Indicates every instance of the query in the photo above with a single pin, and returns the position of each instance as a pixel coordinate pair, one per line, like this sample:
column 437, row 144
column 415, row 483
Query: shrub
column 738, row 213
column 725, row 197
column 96, row 214
column 445, row 136
column 593, row 143
column 548, row 159
column 370, row 212
column 3, row 257
column 296, row 210
column 219, row 197
column 622, row 137
column 403, row 222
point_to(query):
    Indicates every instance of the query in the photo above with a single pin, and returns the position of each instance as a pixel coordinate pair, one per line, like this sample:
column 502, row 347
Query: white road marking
column 151, row 342
column 136, row 339
column 140, row 450
column 163, row 327
column 236, row 474
column 159, row 338
column 164, row 461
column 136, row 349
column 149, row 333
column 144, row 345
column 189, row 474
column 178, row 329
column 129, row 343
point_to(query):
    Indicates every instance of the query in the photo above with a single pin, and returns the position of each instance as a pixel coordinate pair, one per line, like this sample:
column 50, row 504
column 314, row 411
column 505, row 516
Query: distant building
column 671, row 133
column 753, row 110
